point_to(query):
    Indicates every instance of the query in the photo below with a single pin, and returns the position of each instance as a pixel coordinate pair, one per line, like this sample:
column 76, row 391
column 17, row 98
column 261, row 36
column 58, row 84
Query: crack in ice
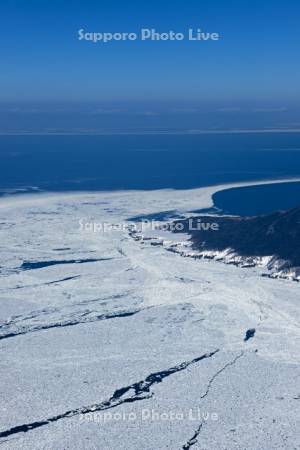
column 28, row 265
column 48, row 283
column 77, row 320
column 194, row 439
column 136, row 392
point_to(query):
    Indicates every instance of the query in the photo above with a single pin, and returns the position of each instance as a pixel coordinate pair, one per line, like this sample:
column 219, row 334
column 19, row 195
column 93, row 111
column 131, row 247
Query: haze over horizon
column 247, row 79
column 255, row 58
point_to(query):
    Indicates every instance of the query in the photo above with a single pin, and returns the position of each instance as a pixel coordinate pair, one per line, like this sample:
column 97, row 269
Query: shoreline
column 206, row 193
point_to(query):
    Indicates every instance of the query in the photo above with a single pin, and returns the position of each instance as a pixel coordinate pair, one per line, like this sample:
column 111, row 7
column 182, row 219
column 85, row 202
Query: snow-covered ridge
column 277, row 267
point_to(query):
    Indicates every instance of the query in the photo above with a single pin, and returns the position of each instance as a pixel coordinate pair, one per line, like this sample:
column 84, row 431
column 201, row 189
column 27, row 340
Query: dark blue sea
column 60, row 163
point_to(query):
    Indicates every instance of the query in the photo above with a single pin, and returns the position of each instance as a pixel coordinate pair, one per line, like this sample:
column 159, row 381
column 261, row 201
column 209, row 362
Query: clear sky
column 257, row 57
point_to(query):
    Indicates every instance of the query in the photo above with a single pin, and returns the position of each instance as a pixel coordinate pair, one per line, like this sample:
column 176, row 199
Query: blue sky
column 256, row 59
